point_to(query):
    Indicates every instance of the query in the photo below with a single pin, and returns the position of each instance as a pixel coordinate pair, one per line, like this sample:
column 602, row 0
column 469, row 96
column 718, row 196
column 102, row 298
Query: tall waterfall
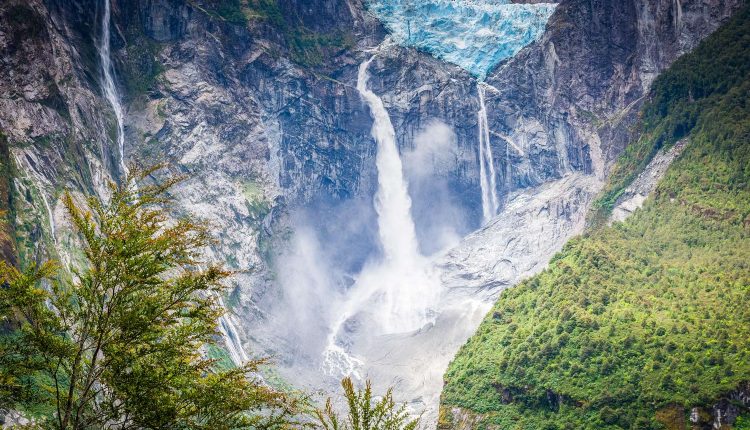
column 402, row 277
column 399, row 291
column 108, row 83
column 392, row 202
column 486, row 164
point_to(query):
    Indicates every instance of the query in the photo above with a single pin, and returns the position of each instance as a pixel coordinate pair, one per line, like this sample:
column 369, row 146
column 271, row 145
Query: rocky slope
column 55, row 125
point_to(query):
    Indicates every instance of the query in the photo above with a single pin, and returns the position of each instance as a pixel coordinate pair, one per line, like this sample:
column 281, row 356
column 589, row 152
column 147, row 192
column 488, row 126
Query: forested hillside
column 646, row 323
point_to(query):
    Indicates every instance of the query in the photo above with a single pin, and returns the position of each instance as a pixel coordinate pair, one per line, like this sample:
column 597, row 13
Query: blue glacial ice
column 473, row 34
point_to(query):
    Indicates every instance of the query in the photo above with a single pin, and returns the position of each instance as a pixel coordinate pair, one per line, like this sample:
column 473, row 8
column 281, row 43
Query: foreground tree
column 21, row 299
column 123, row 344
column 364, row 413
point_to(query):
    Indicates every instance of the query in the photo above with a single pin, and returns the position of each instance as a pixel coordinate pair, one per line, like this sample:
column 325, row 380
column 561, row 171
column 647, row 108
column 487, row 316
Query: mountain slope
column 633, row 325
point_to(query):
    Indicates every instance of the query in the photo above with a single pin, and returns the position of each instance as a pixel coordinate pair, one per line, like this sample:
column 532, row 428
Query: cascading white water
column 231, row 339
column 402, row 277
column 108, row 84
column 400, row 290
column 392, row 202
column 487, row 175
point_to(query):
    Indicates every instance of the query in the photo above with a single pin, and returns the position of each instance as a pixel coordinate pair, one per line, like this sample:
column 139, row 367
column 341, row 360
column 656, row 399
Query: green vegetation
column 7, row 233
column 743, row 423
column 693, row 85
column 30, row 222
column 364, row 413
column 121, row 343
column 221, row 358
column 633, row 324
column 141, row 68
column 229, row 10
column 310, row 48
column 303, row 45
column 306, row 47
column 267, row 10
column 257, row 204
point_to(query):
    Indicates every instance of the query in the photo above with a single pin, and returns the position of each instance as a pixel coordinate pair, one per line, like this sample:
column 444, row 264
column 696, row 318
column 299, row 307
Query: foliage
column 21, row 297
column 229, row 10
column 267, row 10
column 363, row 414
column 121, row 345
column 742, row 423
column 692, row 85
column 306, row 47
column 654, row 312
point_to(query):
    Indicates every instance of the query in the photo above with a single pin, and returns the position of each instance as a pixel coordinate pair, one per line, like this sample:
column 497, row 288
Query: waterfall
column 108, row 84
column 400, row 291
column 678, row 15
column 402, row 277
column 231, row 339
column 392, row 202
column 486, row 164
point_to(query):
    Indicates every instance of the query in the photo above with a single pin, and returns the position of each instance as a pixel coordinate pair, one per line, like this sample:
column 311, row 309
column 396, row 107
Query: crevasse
column 473, row 34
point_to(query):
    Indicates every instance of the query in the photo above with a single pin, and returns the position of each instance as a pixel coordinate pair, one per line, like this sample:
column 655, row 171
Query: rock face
column 568, row 103
column 636, row 193
column 258, row 105
column 722, row 415
column 56, row 125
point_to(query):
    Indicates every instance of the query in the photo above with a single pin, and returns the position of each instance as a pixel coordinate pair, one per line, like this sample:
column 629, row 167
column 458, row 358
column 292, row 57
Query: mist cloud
column 440, row 219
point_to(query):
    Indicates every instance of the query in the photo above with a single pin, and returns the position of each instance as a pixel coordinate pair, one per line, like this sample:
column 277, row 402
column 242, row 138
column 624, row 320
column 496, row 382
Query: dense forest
column 634, row 324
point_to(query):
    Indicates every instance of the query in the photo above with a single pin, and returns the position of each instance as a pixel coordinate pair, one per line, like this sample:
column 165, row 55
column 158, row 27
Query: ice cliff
column 475, row 34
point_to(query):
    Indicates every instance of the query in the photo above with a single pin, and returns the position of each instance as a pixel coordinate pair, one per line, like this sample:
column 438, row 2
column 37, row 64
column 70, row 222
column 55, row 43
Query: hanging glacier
column 473, row 34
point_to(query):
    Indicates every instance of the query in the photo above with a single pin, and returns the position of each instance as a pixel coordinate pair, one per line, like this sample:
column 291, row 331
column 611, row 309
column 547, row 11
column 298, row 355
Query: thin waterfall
column 487, row 176
column 108, row 84
column 231, row 339
column 227, row 328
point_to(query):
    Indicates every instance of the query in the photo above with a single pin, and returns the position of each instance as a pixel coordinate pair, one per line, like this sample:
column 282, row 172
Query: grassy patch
column 257, row 204
column 223, row 360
